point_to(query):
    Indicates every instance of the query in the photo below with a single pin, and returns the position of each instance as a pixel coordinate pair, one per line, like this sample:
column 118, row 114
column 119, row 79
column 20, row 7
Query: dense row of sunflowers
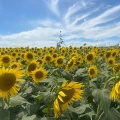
column 67, row 83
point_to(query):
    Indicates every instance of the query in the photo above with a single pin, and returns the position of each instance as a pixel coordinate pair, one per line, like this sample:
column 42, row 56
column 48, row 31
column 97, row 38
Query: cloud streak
column 78, row 25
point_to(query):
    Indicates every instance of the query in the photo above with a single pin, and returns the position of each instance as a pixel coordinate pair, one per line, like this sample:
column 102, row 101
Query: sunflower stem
column 115, row 77
column 3, row 104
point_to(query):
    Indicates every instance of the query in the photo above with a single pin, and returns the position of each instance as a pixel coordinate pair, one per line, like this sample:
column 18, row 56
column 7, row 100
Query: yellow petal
column 60, row 98
column 62, row 94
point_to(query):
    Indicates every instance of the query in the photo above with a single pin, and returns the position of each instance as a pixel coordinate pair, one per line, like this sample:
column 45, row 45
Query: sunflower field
column 60, row 83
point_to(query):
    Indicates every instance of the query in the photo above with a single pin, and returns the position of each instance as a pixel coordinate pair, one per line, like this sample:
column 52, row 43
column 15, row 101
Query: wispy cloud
column 78, row 25
column 53, row 6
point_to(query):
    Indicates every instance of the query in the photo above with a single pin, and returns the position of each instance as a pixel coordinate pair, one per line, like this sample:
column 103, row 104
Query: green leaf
column 4, row 114
column 18, row 100
column 33, row 117
column 102, row 97
column 28, row 90
column 80, row 71
column 45, row 110
column 40, row 96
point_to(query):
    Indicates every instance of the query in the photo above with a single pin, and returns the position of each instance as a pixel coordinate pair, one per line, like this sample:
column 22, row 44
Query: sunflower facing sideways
column 9, row 79
column 92, row 71
column 67, row 93
column 115, row 92
column 39, row 75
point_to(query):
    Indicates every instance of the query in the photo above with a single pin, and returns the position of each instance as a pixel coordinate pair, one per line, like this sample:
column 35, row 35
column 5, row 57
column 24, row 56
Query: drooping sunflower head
column 90, row 57
column 29, row 56
column 6, row 60
column 32, row 66
column 9, row 79
column 66, row 95
column 39, row 75
column 59, row 61
column 92, row 71
column 115, row 92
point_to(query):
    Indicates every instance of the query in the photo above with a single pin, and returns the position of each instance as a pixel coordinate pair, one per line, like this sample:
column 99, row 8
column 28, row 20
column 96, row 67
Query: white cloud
column 74, row 31
column 53, row 6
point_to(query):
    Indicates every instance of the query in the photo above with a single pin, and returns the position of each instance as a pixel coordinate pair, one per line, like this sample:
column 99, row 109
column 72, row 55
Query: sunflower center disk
column 69, row 95
column 90, row 57
column 7, row 81
column 60, row 61
column 38, row 74
column 5, row 59
column 29, row 56
column 92, row 71
column 32, row 67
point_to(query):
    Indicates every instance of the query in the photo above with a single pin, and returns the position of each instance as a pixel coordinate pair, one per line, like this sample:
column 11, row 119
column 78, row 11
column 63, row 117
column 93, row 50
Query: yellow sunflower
column 59, row 61
column 90, row 57
column 39, row 75
column 116, row 68
column 9, row 79
column 92, row 71
column 15, row 65
column 115, row 92
column 111, row 60
column 48, row 58
column 29, row 56
column 66, row 95
column 32, row 66
column 70, row 64
column 6, row 60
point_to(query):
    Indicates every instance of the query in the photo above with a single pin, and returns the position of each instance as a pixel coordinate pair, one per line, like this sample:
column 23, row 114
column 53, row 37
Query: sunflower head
column 29, row 56
column 32, row 66
column 59, row 61
column 66, row 95
column 9, row 79
column 116, row 68
column 92, row 71
column 39, row 75
column 48, row 58
column 115, row 92
column 90, row 57
column 6, row 59
column 15, row 65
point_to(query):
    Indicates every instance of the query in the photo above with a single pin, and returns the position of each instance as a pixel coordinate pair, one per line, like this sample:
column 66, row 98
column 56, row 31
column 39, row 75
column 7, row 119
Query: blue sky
column 37, row 23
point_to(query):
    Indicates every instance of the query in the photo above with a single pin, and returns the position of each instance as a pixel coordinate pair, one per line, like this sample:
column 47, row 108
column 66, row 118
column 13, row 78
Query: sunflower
column 39, row 74
column 15, row 65
column 90, row 57
column 9, row 79
column 40, row 61
column 116, row 68
column 66, row 95
column 115, row 92
column 6, row 60
column 48, row 58
column 32, row 66
column 59, row 61
column 92, row 71
column 29, row 56
column 111, row 60
column 70, row 64
column 107, row 55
